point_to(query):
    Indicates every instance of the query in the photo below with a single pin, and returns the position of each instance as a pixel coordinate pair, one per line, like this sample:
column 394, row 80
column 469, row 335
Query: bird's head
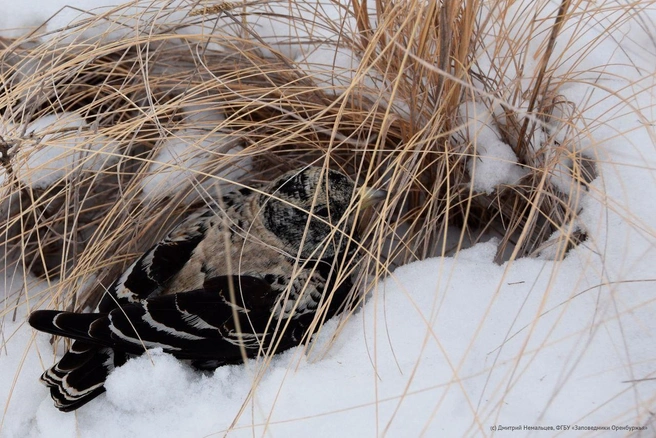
column 329, row 195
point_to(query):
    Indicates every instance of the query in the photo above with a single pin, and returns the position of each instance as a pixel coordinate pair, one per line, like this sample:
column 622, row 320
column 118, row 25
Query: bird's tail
column 80, row 374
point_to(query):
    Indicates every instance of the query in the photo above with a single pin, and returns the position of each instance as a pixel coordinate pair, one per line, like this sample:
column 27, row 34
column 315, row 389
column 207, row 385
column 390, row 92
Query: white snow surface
column 46, row 154
column 495, row 162
column 190, row 154
column 450, row 346
column 180, row 159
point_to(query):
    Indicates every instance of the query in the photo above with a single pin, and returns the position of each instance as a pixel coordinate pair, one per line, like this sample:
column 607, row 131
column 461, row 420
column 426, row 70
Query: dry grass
column 396, row 122
column 140, row 90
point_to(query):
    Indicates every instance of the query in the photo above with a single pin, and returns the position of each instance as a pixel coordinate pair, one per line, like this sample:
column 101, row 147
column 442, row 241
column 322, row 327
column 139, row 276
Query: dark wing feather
column 80, row 375
column 197, row 324
column 68, row 324
column 149, row 274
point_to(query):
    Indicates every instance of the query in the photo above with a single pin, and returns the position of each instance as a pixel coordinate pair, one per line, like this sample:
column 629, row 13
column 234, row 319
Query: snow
column 176, row 165
column 494, row 162
column 531, row 342
column 188, row 155
column 46, row 154
column 451, row 346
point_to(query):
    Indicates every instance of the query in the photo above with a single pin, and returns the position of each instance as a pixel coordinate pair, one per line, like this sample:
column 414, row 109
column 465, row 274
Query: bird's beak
column 369, row 197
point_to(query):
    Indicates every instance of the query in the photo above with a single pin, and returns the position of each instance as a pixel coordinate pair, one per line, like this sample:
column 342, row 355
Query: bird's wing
column 149, row 274
column 198, row 324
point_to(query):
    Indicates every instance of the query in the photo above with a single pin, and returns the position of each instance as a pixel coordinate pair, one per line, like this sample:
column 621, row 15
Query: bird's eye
column 322, row 212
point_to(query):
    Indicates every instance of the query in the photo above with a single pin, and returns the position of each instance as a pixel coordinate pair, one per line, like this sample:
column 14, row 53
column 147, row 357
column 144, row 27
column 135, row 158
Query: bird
column 254, row 272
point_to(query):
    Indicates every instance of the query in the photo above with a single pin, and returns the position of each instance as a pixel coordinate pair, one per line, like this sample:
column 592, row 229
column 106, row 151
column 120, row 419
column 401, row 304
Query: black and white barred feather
column 245, row 277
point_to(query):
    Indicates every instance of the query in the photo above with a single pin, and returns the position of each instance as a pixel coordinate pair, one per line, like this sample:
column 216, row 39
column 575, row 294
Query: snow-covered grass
column 454, row 345
column 60, row 145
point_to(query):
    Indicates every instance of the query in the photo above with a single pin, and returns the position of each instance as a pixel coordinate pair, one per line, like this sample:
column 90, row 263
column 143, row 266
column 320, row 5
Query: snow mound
column 59, row 147
column 448, row 346
column 495, row 163
column 195, row 156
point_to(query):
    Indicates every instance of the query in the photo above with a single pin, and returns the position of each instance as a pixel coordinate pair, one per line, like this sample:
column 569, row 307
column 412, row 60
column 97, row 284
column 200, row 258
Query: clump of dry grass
column 396, row 124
